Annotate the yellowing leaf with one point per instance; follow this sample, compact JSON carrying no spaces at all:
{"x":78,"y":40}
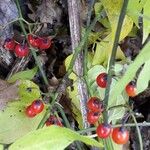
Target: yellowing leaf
{"x":13,"y":121}
{"x":104,"y":48}
{"x":103,"y":51}
{"x":134,"y":9}
{"x":113,"y":8}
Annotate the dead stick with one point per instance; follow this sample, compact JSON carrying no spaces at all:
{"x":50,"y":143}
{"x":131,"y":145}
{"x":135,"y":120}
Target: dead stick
{"x":75,"y":30}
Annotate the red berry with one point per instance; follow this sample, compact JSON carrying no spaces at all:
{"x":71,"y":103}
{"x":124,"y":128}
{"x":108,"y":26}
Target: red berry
{"x":21,"y":50}
{"x":30,"y":112}
{"x":92,"y":117}
{"x":9,"y":44}
{"x":131,"y":89}
{"x":37,"y":106}
{"x":102,"y":80}
{"x":103,"y":130}
{"x":120,"y":135}
{"x":52,"y":120}
{"x":45,"y":43}
{"x":33,"y":40}
{"x":94,"y":104}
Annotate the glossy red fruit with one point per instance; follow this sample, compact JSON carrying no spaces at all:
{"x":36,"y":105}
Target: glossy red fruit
{"x":120,"y":135}
{"x":45,"y":43}
{"x":94,"y":104}
{"x":103,"y":130}
{"x":92,"y":117}
{"x":21,"y":50}
{"x":37,"y":106}
{"x":30,"y":112}
{"x":102,"y":80}
{"x":34,"y":40}
{"x":131,"y":89}
{"x":9,"y":44}
{"x":52,"y":120}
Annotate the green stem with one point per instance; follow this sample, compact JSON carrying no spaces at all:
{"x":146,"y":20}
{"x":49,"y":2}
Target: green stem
{"x":113,"y":55}
{"x":85,"y":50}
{"x":138,"y":131}
{"x":145,"y":124}
{"x":32,"y":50}
{"x":63,"y":116}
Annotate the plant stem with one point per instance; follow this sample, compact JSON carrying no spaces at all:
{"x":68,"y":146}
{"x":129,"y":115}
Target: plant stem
{"x":113,"y":55}
{"x":32,"y":50}
{"x":138,"y":131}
{"x":145,"y":124}
{"x":85,"y":50}
{"x":63,"y":116}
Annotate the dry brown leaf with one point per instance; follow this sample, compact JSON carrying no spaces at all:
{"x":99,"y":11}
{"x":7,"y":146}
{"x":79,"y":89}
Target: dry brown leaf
{"x":48,"y":11}
{"x":8,"y":93}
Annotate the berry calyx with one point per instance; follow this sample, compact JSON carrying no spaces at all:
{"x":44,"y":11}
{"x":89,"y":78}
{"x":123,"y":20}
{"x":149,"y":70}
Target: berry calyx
{"x":52,"y":120}
{"x":92,"y":117}
{"x":94,"y":104}
{"x":45,"y":43}
{"x":34,"y":40}
{"x":37,"y":106}
{"x":131,"y":89}
{"x":30,"y":112}
{"x":21,"y":50}
{"x":9,"y":44}
{"x":120,"y":135}
{"x":103,"y":130}
{"x":102,"y":80}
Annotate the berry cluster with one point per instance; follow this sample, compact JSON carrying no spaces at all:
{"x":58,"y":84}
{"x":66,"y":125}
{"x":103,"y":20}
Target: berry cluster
{"x":35,"y":108}
{"x":101,"y":81}
{"x":22,"y":49}
{"x":119,"y":135}
{"x":95,"y":107}
{"x":52,"y":120}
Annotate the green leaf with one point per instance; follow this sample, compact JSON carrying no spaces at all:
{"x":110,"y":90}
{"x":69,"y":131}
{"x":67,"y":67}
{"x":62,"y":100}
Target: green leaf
{"x":24,"y":75}
{"x":143,"y":78}
{"x":143,"y":56}
{"x":103,"y":51}
{"x":146,"y":20}
{"x":14,"y":123}
{"x":97,"y":8}
{"x":134,"y":9}
{"x":1,"y":147}
{"x":51,"y":138}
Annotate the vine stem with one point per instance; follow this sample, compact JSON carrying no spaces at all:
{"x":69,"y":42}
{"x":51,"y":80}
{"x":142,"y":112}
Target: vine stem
{"x":112,"y":58}
{"x":85,"y":50}
{"x":144,"y":124}
{"x":32,"y":50}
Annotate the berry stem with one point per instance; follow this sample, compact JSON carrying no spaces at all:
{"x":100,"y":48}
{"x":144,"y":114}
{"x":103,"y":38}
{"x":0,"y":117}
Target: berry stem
{"x":32,"y":50}
{"x":144,"y":124}
{"x":138,"y":130}
{"x":113,"y":55}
